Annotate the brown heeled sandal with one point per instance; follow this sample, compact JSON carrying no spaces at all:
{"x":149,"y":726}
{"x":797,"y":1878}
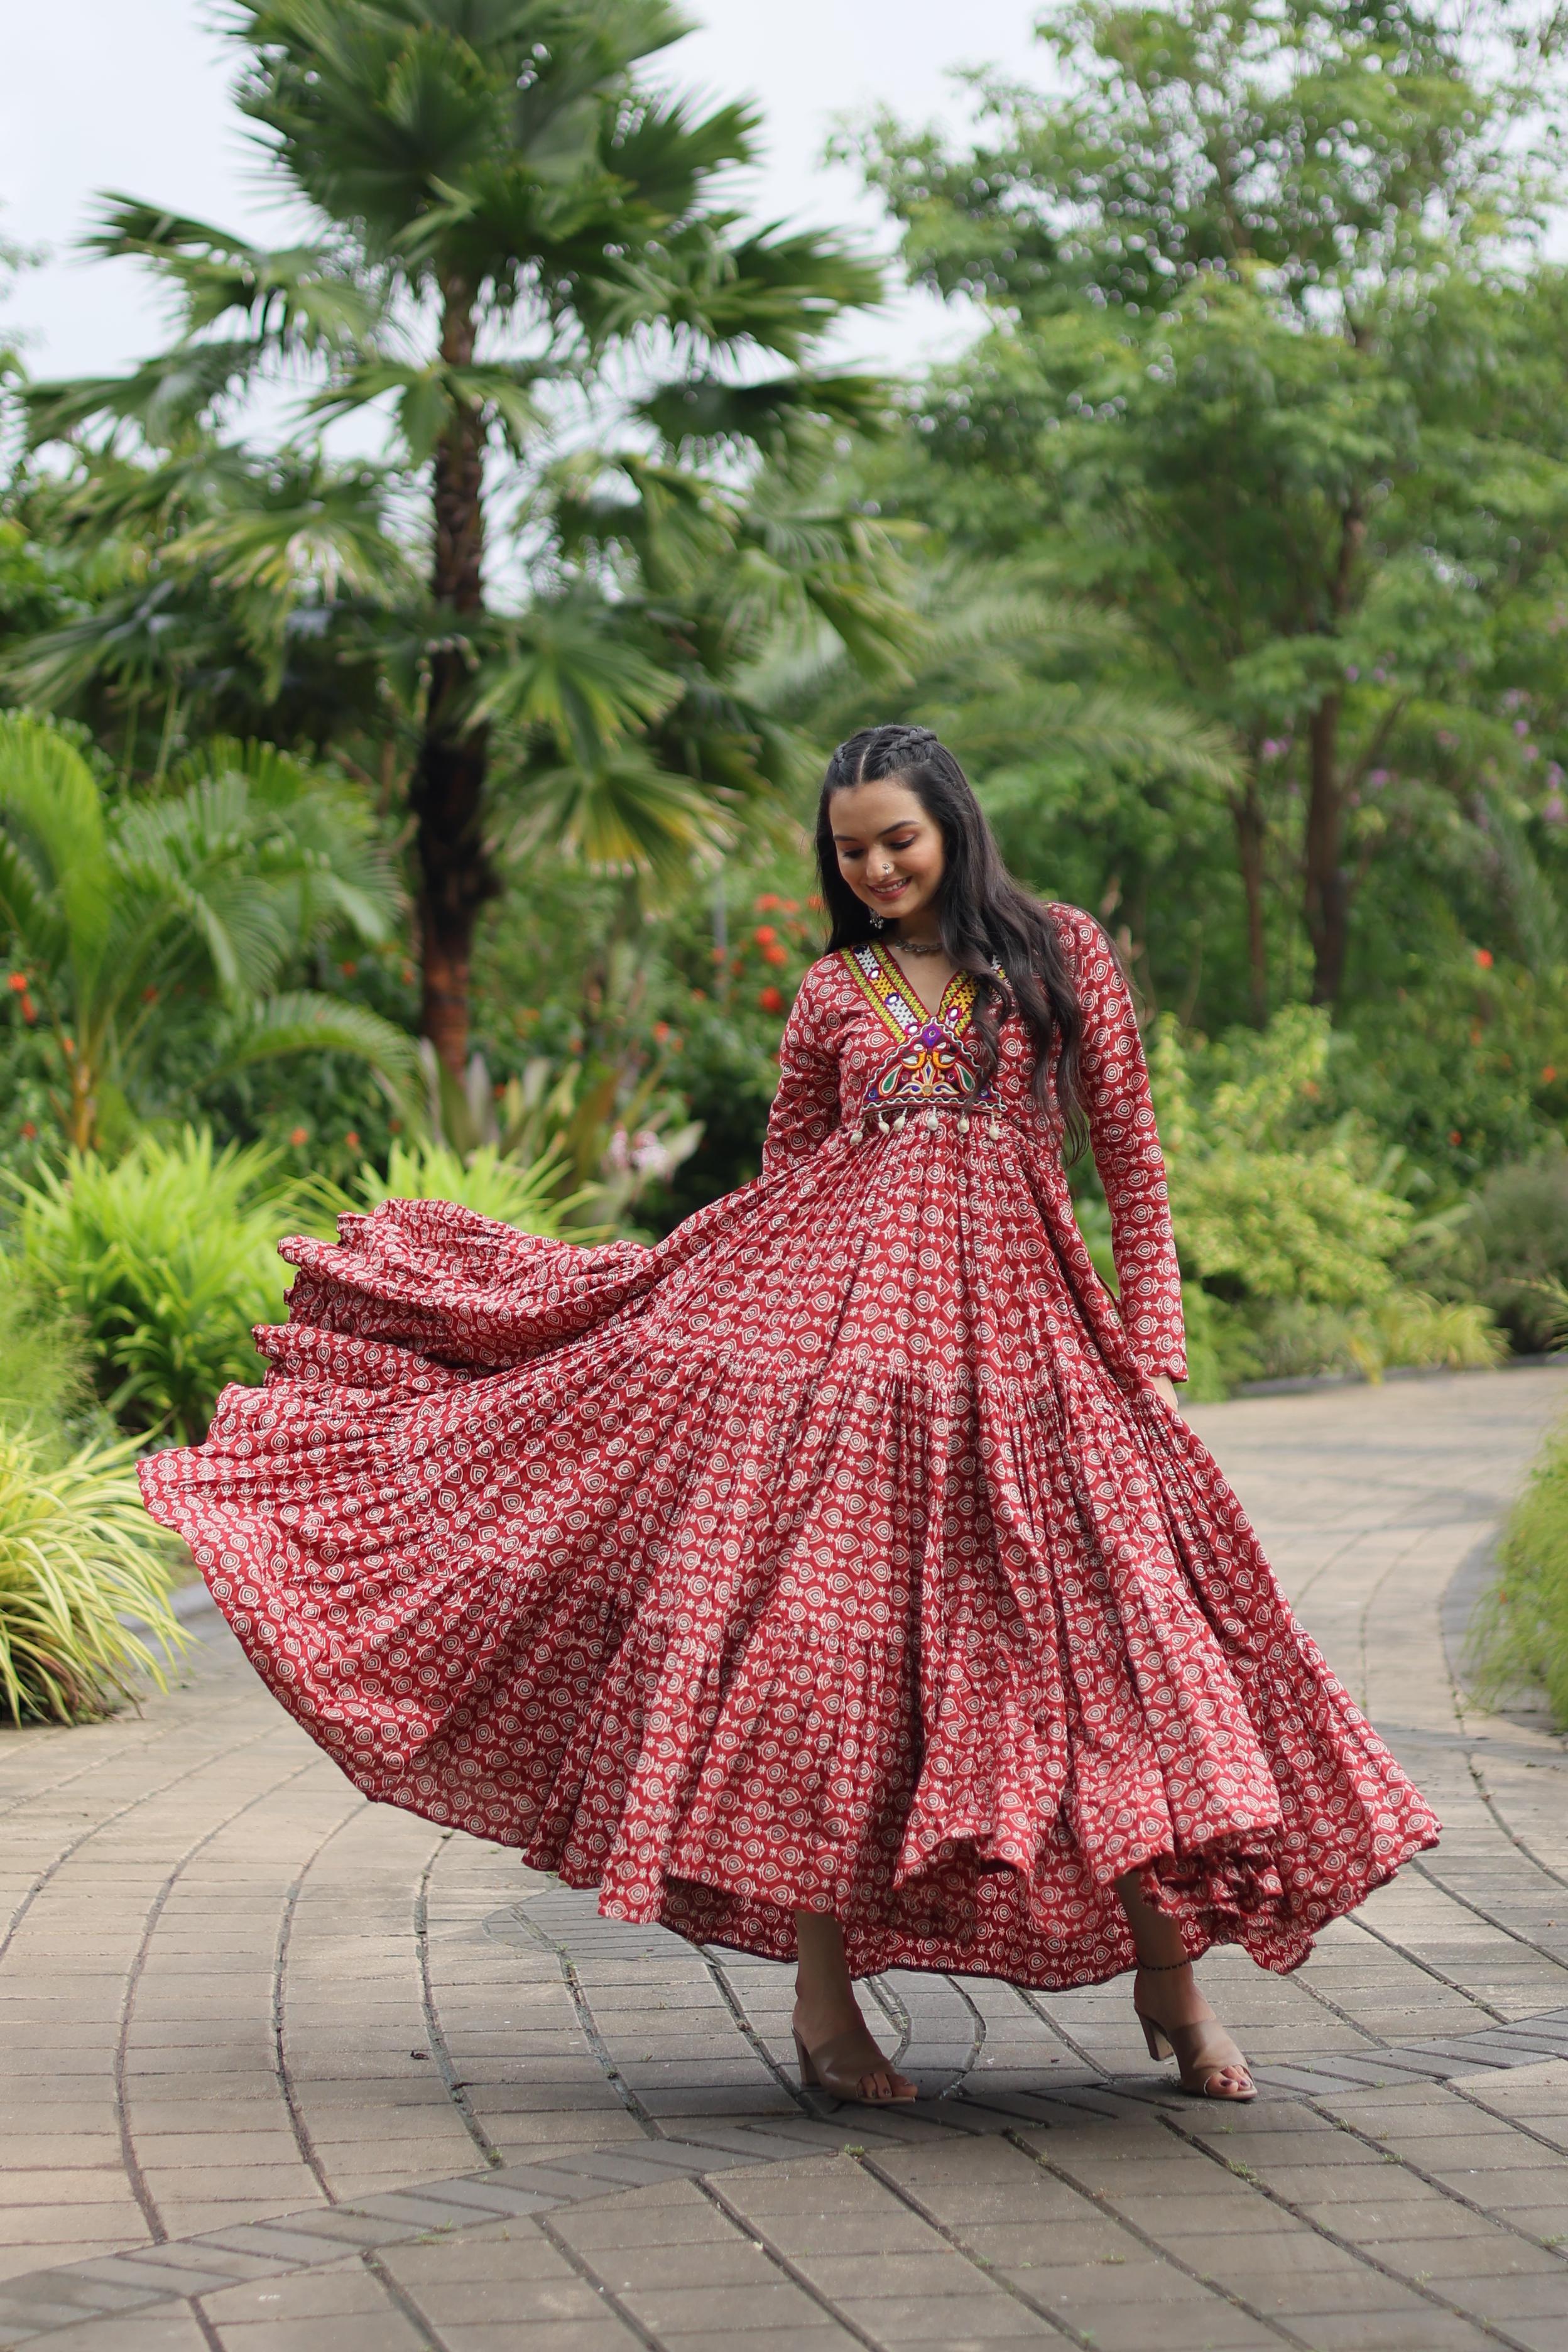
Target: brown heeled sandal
{"x":1201,"y":2052}
{"x":827,"y":2068}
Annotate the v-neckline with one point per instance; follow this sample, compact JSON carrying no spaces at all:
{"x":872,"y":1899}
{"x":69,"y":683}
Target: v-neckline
{"x":896,"y":972}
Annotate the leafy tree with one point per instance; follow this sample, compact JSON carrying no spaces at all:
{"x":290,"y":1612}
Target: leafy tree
{"x":150,"y":934}
{"x":508,"y":224}
{"x":1272,"y":371}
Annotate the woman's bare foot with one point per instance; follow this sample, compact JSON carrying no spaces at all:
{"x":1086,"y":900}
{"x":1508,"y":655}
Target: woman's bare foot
{"x":832,"y":2039}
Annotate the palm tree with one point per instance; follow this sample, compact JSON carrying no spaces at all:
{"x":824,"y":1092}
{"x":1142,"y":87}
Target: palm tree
{"x":223,"y":586}
{"x":153,"y":932}
{"x":509,"y":224}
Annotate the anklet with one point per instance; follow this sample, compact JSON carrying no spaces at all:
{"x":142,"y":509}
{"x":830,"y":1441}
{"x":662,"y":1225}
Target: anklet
{"x":1163,"y":1968}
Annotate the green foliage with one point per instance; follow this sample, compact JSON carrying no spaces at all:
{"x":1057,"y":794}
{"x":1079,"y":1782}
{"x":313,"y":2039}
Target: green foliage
{"x":45,"y":1380}
{"x":79,"y":1557}
{"x":1268,"y":1204}
{"x":1403,"y":1327}
{"x":1285,"y":1222}
{"x":507,"y":229}
{"x":1271,"y":376}
{"x":165,"y":1261}
{"x":524,"y":1194}
{"x":153,"y":932}
{"x":1520,"y":1227}
{"x":1524,"y":1631}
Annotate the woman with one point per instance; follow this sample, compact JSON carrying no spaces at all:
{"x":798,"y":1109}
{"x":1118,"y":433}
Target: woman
{"x":836,"y":1579}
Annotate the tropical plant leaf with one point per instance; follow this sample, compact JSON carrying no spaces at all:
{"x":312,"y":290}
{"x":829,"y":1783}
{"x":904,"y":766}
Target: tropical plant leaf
{"x":301,"y":1021}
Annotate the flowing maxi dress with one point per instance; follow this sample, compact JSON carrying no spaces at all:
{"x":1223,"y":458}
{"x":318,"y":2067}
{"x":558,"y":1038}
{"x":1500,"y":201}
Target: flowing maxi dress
{"x":834,"y":1553}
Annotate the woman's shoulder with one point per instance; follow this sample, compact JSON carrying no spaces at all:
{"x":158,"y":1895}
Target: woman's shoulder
{"x":821,"y":998}
{"x":824,"y":979}
{"x":1078,"y":931}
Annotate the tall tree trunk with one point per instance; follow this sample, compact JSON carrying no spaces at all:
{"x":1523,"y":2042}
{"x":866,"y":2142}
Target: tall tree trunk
{"x":1247,"y":808}
{"x":1326,"y":883}
{"x":448,"y":791}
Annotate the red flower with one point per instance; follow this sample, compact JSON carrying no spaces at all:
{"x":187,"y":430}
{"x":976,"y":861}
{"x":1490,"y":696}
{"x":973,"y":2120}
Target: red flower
{"x":29,"y":1011}
{"x":352,"y":1140}
{"x":1454,"y":1136}
{"x":1484,"y":957}
{"x":662,"y":1033}
{"x":348,"y":970}
{"x":19,"y":980}
{"x":765,"y":937}
{"x":772,"y":953}
{"x":299,"y":1135}
{"x":1548,"y":1074}
{"x":29,"y":1130}
{"x":768,"y":904}
{"x":771,"y":1001}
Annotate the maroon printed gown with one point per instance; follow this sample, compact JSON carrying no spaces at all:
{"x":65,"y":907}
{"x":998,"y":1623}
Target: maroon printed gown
{"x":834,"y":1552}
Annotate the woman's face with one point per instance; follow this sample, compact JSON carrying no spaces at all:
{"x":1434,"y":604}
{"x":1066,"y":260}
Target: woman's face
{"x":890,"y":850}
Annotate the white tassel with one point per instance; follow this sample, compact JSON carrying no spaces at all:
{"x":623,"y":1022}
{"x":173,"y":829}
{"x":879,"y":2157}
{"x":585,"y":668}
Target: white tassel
{"x":899,"y":1123}
{"x":930,"y":1120}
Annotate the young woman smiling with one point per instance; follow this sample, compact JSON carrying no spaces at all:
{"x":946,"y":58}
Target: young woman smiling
{"x":837,"y":1579}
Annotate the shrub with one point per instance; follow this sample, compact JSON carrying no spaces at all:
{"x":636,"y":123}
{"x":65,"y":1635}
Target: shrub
{"x":45,"y":1381}
{"x":79,"y":1557}
{"x":166,"y":1260}
{"x":1520,"y":1227}
{"x":516,"y":1191}
{"x":1403,"y":1327}
{"x":1523,"y":1628}
{"x":1287,"y":1229}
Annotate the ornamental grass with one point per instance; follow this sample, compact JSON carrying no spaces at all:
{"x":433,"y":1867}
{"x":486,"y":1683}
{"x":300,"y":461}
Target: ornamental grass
{"x":84,"y":1583}
{"x":1522,"y":1634}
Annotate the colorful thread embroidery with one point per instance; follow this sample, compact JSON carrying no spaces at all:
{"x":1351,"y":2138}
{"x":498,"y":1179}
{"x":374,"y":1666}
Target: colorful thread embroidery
{"x":929,"y":1070}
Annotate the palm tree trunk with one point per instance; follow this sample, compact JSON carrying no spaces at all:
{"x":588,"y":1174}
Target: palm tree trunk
{"x":447,"y":791}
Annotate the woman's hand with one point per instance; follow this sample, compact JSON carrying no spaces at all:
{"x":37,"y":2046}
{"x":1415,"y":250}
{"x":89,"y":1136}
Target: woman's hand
{"x":1166,"y":1387}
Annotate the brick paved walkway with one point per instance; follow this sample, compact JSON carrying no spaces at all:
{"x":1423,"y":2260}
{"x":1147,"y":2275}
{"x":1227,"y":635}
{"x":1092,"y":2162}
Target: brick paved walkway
{"x":285,"y":2070}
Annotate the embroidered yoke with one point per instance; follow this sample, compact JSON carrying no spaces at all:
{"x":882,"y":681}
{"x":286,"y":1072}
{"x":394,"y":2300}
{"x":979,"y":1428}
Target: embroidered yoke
{"x":928,"y":1069}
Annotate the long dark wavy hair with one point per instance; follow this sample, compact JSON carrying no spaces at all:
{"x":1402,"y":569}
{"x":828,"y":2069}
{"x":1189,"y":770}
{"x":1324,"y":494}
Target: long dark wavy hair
{"x":985,"y":918}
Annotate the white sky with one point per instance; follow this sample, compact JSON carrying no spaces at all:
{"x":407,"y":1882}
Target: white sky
{"x":133,"y":95}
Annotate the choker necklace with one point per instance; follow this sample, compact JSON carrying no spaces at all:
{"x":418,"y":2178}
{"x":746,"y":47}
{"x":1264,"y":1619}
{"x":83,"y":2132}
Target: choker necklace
{"x":915,"y":947}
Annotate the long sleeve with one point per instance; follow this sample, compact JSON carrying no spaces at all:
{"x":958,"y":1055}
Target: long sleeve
{"x":805,"y":1109}
{"x":1121,"y":1113}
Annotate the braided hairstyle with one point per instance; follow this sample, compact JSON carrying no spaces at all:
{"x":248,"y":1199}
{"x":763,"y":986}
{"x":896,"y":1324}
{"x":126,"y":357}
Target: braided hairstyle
{"x":985,"y":918}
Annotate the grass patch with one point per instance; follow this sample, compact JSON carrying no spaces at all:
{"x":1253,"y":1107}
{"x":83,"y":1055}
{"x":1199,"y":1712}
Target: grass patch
{"x":1522,"y":1632}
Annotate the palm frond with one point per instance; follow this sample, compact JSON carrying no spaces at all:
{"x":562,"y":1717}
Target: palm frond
{"x":303,"y":1022}
{"x":625,"y":815}
{"x":59,"y":870}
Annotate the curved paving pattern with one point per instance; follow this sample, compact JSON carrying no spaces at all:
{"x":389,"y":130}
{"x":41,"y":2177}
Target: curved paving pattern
{"x":288,"y":2070}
